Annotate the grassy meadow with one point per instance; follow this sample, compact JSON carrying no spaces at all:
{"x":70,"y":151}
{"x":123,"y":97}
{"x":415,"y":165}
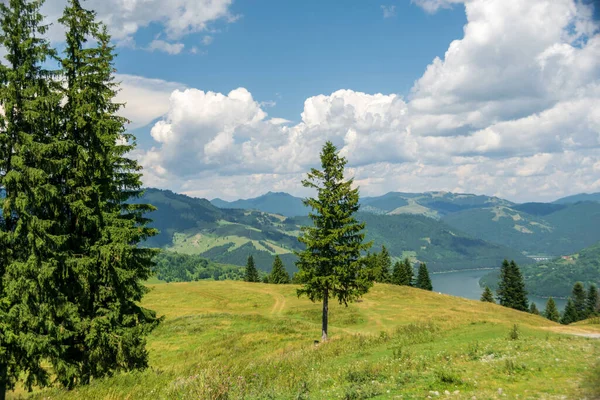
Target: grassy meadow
{"x":237,"y":340}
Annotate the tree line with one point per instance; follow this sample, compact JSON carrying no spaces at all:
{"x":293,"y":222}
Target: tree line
{"x":511,"y":293}
{"x":71,"y":270}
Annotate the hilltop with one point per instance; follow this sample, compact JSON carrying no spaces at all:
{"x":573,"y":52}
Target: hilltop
{"x":196,"y":226}
{"x":397,"y":341}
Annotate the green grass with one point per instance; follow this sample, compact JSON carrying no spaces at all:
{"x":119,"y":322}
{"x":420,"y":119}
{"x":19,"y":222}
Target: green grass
{"x":237,"y":340}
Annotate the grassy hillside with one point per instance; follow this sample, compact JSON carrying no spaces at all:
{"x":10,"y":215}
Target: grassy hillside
{"x":233,"y":340}
{"x":534,"y":228}
{"x":557,"y":277}
{"x":228,"y":236}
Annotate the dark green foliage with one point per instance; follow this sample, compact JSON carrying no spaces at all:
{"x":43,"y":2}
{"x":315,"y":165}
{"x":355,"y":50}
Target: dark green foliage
{"x":408,"y":273}
{"x":402,"y":275}
{"x":385,"y":264}
{"x":487,"y":295}
{"x":511,"y":288}
{"x":570,"y":314}
{"x":579,"y":301}
{"x":278,"y":274}
{"x":533,"y":309}
{"x":251,"y":273}
{"x":31,"y":238}
{"x":551,"y":311}
{"x":423,"y":280}
{"x":331,"y":264}
{"x":176,"y":267}
{"x":592,"y":304}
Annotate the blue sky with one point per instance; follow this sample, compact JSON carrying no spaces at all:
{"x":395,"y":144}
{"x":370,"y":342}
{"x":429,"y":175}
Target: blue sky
{"x":234,"y":98}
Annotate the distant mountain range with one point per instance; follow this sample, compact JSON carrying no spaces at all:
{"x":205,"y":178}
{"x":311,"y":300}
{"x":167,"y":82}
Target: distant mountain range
{"x":196,"y":226}
{"x":579,"y":197}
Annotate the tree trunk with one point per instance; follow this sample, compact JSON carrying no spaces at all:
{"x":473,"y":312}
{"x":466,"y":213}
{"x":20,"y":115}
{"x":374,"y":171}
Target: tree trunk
{"x":3,"y":381}
{"x":325,"y":315}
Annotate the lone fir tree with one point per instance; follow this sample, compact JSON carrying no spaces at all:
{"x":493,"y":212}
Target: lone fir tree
{"x":533,"y":309}
{"x":579,"y":296}
{"x":406,"y":273}
{"x":551,"y":311}
{"x":331,"y":265}
{"x":251,"y":271}
{"x":487,"y":296}
{"x":423,"y":280}
{"x":570,"y":314}
{"x":385,"y":264}
{"x":511,"y":289}
{"x":278,"y":274}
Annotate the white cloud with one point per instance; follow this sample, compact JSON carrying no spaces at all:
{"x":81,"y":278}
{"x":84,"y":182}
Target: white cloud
{"x":388,"y":11}
{"x":169,"y":48}
{"x":207,"y":40}
{"x":125,"y":18}
{"x":512,"y":109}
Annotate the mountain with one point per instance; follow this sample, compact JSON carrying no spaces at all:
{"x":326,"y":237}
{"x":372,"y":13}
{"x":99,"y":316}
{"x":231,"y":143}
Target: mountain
{"x":557,"y":277}
{"x":579,"y":197}
{"x":276,"y":203}
{"x":195,"y":226}
{"x":533,"y":228}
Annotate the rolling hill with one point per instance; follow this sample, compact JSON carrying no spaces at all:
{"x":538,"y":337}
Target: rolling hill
{"x":271,"y":202}
{"x":579,"y":197}
{"x":228,"y":236}
{"x":398,"y":342}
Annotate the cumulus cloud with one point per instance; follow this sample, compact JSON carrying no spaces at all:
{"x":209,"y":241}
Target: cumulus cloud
{"x":125,"y":18}
{"x":388,"y":11}
{"x":166,"y":47}
{"x":512,"y":109}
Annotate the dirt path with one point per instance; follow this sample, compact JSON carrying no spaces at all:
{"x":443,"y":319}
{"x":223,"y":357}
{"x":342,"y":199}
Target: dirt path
{"x":582,"y":331}
{"x":278,"y":297}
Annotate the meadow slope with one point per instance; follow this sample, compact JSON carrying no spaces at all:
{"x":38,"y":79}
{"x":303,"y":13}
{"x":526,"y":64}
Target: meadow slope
{"x":230,"y":340}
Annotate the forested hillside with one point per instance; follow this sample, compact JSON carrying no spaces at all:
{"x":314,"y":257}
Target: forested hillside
{"x":557,"y":277}
{"x":195,"y":226}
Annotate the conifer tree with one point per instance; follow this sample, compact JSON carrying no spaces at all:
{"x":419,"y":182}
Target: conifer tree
{"x":423,"y":280}
{"x":533,"y":309}
{"x":398,"y":274}
{"x":578,"y":296}
{"x":331,"y":264}
{"x":385,"y":264}
{"x":31,"y":238}
{"x":511,"y":288}
{"x":408,"y":273}
{"x":591,"y":301}
{"x":106,"y":224}
{"x":251,"y":271}
{"x":487,"y":296}
{"x":278,"y":274}
{"x":570,"y":314}
{"x":551,"y":311}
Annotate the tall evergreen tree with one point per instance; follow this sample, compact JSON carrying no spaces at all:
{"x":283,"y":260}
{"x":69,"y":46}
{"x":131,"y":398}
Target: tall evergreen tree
{"x":578,"y":296}
{"x":31,"y":238}
{"x":551,"y":311}
{"x":511,"y":289}
{"x":331,"y":265}
{"x":385,"y":264}
{"x":423,"y":280}
{"x":399,"y":274}
{"x":408,"y":272}
{"x":106,"y":264}
{"x":533,"y":309}
{"x":570,"y":314}
{"x":251,"y":271}
{"x":278,"y":274}
{"x":487,"y":296}
{"x":591,"y":302}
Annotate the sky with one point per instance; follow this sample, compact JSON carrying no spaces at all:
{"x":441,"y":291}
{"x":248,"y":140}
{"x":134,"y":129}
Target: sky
{"x":235,"y":98}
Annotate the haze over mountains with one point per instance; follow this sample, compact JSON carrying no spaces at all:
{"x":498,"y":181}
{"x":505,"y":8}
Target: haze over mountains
{"x":449,"y":231}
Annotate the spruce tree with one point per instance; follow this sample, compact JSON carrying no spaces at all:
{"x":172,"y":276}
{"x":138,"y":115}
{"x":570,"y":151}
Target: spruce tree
{"x":106,"y":223}
{"x":398,"y":274}
{"x":591,"y":301}
{"x":423,"y":280}
{"x":385,"y":264}
{"x":31,"y":237}
{"x":331,"y":265}
{"x":278,"y":274}
{"x":487,"y":296}
{"x":570,"y":314}
{"x":533,"y":309}
{"x":511,"y":288}
{"x":551,"y":311}
{"x":579,"y":301}
{"x":251,"y":271}
{"x":408,"y":273}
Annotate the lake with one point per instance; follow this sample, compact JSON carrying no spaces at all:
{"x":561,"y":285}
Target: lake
{"x":466,"y":284}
